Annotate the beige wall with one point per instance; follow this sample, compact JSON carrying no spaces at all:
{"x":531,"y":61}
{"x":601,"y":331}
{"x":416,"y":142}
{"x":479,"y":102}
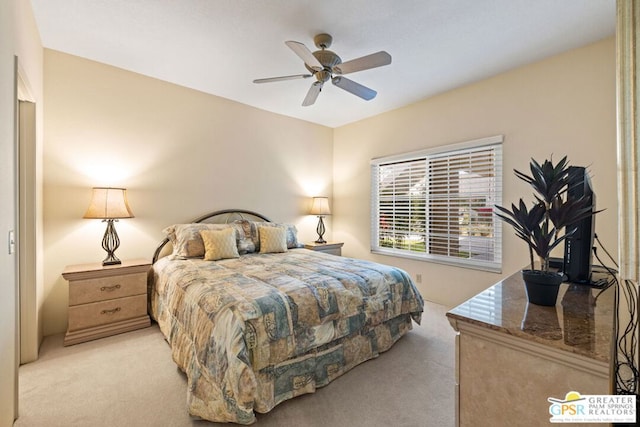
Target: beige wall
{"x":562,"y":105}
{"x":179,"y":152}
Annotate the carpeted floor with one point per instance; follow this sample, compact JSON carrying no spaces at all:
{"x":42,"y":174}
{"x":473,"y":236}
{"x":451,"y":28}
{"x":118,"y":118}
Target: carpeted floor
{"x":130,"y":380}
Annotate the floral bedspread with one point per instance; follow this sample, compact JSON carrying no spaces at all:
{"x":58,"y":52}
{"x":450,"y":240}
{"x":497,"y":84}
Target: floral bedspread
{"x":254,"y":331}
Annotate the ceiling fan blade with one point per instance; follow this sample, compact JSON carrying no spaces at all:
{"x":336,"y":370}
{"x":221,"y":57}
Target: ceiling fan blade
{"x":355,"y":88}
{"x":374,"y":60}
{"x":312,"y":95}
{"x":278,"y":79}
{"x":305,"y":54}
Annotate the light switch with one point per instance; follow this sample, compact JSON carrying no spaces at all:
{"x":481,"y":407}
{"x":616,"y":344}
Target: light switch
{"x":12,"y":242}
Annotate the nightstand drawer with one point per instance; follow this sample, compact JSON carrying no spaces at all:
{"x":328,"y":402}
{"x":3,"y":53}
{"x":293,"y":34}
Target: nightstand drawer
{"x":105,"y":288}
{"x":104,"y":312}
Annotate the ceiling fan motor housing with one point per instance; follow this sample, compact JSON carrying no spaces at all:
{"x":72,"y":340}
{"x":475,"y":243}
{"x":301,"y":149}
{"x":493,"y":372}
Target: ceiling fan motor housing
{"x":327,"y":58}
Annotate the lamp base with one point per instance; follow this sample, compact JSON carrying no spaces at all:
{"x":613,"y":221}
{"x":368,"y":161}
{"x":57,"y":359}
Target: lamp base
{"x":320,"y":230}
{"x":110,"y":243}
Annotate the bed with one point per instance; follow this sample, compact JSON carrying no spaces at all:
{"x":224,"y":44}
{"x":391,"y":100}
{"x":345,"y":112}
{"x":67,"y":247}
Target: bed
{"x":273,"y":321}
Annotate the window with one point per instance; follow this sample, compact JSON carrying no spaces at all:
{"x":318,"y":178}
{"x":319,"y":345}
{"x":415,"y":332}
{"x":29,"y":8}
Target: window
{"x":437,"y":205}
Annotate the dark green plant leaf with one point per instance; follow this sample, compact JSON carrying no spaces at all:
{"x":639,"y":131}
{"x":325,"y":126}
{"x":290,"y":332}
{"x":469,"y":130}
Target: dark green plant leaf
{"x":523,"y":221}
{"x":548,"y":180}
{"x":567,"y":212}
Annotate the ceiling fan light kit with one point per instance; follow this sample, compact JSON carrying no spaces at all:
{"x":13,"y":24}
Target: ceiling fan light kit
{"x":326,"y":65}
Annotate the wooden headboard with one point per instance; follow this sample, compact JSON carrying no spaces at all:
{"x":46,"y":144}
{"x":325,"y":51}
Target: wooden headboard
{"x":217,"y":217}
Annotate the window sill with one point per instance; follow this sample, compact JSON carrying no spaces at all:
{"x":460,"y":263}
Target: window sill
{"x":468,"y":264}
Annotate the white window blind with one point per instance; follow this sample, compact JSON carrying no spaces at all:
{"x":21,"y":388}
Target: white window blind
{"x":438,"y":204}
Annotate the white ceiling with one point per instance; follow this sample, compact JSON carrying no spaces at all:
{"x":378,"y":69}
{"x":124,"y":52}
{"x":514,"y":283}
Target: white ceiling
{"x":220,"y":46}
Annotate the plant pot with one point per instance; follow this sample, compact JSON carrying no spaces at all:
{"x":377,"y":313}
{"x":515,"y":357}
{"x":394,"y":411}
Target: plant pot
{"x":542,"y":286}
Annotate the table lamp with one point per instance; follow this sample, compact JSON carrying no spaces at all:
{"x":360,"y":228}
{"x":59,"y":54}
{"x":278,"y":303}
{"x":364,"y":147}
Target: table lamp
{"x":320,"y":207}
{"x":109,"y":204}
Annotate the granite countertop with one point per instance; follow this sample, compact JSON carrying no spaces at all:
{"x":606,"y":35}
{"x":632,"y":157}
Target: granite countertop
{"x":581,"y":322}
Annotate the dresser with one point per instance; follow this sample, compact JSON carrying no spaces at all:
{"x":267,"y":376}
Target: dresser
{"x":106,"y":300}
{"x":511,"y":356}
{"x":333,"y":248}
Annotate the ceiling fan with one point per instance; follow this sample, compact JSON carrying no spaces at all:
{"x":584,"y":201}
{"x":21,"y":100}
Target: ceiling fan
{"x":325,"y":65}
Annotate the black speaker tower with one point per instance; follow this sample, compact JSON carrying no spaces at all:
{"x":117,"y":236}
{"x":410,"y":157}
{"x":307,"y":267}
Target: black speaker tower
{"x":578,"y":247}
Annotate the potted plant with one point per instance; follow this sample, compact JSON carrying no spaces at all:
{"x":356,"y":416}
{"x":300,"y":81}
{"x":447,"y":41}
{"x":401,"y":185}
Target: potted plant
{"x":543,"y":226}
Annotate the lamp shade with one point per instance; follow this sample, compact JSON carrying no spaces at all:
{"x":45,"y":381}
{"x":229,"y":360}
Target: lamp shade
{"x":320,"y":206}
{"x":108,"y":203}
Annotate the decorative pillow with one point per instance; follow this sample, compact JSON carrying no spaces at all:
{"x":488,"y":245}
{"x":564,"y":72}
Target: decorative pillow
{"x":186,"y":239}
{"x":292,"y":234}
{"x":219,"y":244}
{"x":272,"y":239}
{"x":246,"y":231}
{"x":251,"y":229}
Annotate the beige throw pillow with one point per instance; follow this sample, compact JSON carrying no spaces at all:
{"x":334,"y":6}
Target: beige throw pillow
{"x":272,"y":239}
{"x":186,"y":239}
{"x":219,"y":244}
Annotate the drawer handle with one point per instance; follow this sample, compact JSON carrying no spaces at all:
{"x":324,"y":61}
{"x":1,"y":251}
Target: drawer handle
{"x":112,"y":311}
{"x":109,"y":288}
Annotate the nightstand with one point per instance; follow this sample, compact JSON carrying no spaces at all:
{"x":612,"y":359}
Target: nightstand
{"x":106,"y":300}
{"x":332,"y":248}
